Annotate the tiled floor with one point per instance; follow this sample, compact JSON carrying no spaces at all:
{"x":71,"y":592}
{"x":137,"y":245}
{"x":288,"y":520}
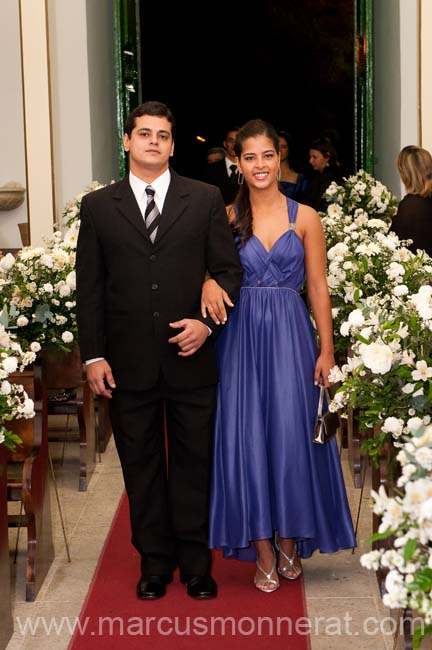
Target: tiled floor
{"x":343,"y":602}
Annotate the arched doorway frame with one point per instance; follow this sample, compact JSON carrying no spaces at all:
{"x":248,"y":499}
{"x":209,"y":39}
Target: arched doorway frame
{"x":128,"y":76}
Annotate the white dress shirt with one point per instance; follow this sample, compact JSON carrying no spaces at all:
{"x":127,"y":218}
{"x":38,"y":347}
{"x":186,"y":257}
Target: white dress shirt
{"x":160,"y":186}
{"x":228,"y":164}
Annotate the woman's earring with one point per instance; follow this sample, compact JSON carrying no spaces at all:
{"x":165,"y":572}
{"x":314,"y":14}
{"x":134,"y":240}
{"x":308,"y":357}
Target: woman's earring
{"x":279,"y":173}
{"x":240,"y":178}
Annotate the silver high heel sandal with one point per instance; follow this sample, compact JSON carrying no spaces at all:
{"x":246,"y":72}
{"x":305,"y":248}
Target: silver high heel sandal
{"x":291,"y":563}
{"x":267,"y":584}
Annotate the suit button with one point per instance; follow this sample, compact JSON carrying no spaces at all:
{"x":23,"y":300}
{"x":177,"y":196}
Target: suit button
{"x":156,"y":314}
{"x":155,"y":286}
{"x":153,"y":258}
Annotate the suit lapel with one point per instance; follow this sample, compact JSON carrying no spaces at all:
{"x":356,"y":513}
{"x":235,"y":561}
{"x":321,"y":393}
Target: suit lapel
{"x":174,"y":204}
{"x":128,"y":207}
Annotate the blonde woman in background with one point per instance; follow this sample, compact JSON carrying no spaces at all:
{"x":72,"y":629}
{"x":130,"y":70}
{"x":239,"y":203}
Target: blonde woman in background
{"x":413,"y":219}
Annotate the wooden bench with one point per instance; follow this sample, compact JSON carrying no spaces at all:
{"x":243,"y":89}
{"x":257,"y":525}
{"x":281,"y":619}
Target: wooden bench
{"x":64,"y":372}
{"x":6,"y":624}
{"x":27,"y":482}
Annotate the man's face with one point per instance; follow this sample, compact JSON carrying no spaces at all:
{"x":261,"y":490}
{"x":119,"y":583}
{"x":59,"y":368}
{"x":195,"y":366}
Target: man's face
{"x":150,"y":144}
{"x":229,"y":144}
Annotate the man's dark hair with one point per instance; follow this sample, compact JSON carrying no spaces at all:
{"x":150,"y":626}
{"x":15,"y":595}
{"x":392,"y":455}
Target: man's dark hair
{"x":157,"y":109}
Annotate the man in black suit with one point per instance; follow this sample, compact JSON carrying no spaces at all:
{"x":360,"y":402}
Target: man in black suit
{"x":144,"y":246}
{"x":224,"y":173}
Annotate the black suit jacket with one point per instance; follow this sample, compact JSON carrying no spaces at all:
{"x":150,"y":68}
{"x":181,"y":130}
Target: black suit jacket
{"x":129,"y":290}
{"x":217,"y":174}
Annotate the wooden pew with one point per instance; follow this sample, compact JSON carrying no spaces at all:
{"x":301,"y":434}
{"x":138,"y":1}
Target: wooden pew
{"x":65,"y":372}
{"x":27,"y":474}
{"x":6,"y":624}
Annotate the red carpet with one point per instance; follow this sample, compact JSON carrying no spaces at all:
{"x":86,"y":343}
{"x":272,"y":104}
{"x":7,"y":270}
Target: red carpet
{"x":240,"y":616}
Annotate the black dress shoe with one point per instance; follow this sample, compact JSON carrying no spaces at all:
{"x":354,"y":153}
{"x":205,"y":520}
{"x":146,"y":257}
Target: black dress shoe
{"x":152,"y":587}
{"x":201,"y":587}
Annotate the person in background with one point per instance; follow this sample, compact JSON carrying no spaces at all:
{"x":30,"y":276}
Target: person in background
{"x":271,"y":485}
{"x":413,"y":219}
{"x":291,"y":183}
{"x":224,"y":173}
{"x":325,"y":169}
{"x":215,"y":153}
{"x":144,"y":246}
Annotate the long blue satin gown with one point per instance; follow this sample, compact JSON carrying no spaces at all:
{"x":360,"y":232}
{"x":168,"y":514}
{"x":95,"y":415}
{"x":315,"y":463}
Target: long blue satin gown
{"x":268,"y":475}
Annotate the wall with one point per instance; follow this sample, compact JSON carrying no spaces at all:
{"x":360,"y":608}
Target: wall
{"x":83,"y":95}
{"x":396,"y":85}
{"x":69,"y":99}
{"x":426,"y":74}
{"x":12,"y":151}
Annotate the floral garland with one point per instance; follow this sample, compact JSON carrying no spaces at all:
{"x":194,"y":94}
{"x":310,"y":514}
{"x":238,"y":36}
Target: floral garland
{"x":382,"y":297}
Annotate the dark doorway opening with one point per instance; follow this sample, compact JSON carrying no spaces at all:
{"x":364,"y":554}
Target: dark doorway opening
{"x":289,"y":62}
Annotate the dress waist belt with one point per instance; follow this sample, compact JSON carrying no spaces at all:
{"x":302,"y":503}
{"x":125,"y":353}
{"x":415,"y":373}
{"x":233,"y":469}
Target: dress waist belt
{"x":265,"y":287}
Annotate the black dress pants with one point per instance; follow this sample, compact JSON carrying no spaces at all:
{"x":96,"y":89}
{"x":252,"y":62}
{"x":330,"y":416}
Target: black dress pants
{"x":168,"y":488}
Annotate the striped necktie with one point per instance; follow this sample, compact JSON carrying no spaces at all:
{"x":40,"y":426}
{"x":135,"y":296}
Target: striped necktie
{"x":152,"y":216}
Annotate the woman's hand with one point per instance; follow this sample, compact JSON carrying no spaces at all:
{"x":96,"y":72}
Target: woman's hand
{"x":213,"y":300}
{"x":324,"y":364}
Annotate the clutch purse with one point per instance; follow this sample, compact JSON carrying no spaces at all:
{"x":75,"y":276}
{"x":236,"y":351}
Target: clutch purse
{"x":326,"y":425}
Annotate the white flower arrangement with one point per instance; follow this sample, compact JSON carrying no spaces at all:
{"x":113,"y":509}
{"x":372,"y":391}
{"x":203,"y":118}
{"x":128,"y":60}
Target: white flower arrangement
{"x":37,"y":293}
{"x":71,"y":212}
{"x":38,"y":287}
{"x":14,"y":401}
{"x":407,"y":518}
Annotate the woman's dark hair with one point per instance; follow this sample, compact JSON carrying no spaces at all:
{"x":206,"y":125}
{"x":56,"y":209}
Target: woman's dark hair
{"x":158,"y":109}
{"x":327,"y":148}
{"x":242,"y":223}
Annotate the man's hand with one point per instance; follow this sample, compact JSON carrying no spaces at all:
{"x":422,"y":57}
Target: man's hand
{"x":191,"y":339}
{"x":97,"y":372}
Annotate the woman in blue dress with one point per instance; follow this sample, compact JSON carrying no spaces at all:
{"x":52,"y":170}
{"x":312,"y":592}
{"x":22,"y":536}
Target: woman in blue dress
{"x":272,"y":487}
{"x":291,"y":183}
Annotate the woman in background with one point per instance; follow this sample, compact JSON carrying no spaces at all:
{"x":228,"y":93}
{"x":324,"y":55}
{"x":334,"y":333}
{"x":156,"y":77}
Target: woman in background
{"x":325,"y":169}
{"x":413,"y":219}
{"x":291,"y":183}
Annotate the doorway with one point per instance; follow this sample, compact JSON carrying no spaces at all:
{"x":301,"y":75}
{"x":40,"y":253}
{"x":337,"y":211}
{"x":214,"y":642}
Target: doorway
{"x":300,"y":66}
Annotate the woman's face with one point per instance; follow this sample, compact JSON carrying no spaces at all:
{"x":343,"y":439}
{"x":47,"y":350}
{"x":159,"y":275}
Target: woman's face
{"x":283,"y":146}
{"x":318,"y":161}
{"x":259,"y":162}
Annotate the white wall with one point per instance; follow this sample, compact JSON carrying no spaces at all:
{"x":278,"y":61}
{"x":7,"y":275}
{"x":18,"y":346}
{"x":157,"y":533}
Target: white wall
{"x":396,"y":86}
{"x":12,"y":151}
{"x":426,"y":74}
{"x":83,"y":95}
{"x":69,"y":99}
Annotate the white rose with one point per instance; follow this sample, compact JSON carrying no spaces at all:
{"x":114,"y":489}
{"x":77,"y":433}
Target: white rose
{"x":400,"y":290}
{"x":48,"y":288}
{"x":5,"y":388}
{"x":22,"y":321}
{"x":10,"y":364}
{"x":35,"y":346}
{"x":393,"y":425}
{"x":356,"y":318}
{"x":345,"y":328}
{"x":28,"y":407}
{"x":377,"y":357}
{"x":67,"y":337}
{"x":71,"y":280}
{"x":7,"y":262}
